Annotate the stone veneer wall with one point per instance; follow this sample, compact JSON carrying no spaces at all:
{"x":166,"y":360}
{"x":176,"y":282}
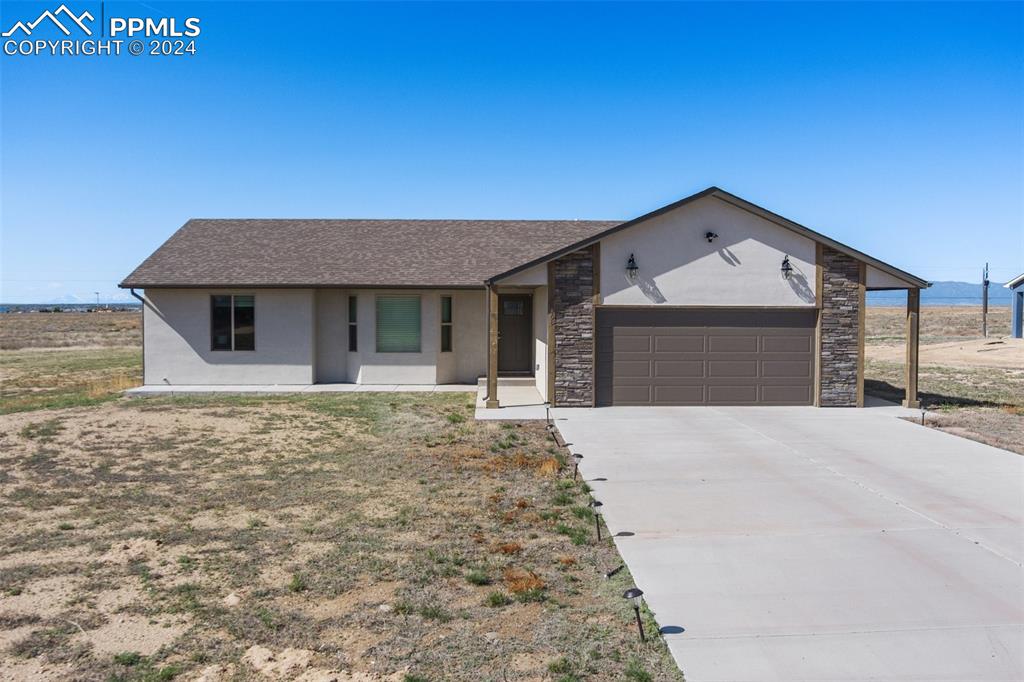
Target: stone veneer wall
{"x":573,"y":304}
{"x":840,"y":316}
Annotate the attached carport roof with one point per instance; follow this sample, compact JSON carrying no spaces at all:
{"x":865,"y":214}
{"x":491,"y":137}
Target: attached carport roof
{"x":912,"y":280}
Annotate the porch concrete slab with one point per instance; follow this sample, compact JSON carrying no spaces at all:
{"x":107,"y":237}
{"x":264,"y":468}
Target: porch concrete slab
{"x":299,"y":388}
{"x":223,"y":388}
{"x":813,"y":544}
{"x":517,"y":401}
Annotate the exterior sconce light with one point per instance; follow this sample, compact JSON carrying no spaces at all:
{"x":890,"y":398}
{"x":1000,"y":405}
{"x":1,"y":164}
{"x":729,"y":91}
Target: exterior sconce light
{"x":576,"y":457}
{"x":595,"y":506}
{"x":634,"y":594}
{"x":632,"y":269}
{"x":710,"y":236}
{"x":787,"y":269}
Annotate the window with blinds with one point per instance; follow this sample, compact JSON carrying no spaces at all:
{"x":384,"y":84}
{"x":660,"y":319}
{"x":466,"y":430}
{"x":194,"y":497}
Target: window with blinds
{"x":398,"y":324}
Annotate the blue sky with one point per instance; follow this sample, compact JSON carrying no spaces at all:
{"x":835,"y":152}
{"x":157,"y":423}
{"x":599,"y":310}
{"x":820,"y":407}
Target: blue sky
{"x":896,"y":128}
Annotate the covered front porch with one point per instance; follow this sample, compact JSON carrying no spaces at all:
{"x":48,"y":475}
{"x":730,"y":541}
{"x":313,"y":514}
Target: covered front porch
{"x":518,"y":344}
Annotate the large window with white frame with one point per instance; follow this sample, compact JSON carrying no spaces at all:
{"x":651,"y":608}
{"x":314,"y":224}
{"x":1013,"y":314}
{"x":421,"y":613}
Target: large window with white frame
{"x":398,"y":324}
{"x":232,"y":322}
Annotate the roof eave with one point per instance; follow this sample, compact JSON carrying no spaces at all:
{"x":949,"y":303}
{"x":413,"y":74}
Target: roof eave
{"x":310,"y":285}
{"x":1015,"y":282}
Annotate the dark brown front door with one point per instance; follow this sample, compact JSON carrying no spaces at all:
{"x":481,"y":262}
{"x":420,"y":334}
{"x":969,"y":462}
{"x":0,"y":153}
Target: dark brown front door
{"x":658,"y":356}
{"x":515,"y":334}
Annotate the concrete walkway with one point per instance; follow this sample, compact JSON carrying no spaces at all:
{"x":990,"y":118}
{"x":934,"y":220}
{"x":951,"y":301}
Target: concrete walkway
{"x":814,"y":544}
{"x":299,"y":388}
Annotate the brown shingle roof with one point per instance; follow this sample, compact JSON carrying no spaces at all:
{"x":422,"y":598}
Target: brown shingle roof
{"x":386,"y":253}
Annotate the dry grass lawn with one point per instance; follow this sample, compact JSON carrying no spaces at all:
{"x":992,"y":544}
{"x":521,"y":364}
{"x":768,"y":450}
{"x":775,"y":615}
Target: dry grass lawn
{"x":973,"y":385}
{"x":334,"y":537}
{"x":70,"y":329}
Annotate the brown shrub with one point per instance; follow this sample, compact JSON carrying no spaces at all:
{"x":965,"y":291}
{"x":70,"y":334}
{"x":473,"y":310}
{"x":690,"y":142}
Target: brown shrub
{"x":519,"y":580}
{"x":548,"y":467}
{"x":509,"y":548}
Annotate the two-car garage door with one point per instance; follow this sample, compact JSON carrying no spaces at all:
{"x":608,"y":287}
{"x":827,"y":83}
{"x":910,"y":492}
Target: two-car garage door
{"x":705,"y":356}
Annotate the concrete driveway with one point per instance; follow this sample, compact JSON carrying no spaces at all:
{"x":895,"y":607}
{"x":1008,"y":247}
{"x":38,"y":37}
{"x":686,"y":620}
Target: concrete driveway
{"x":814,"y":544}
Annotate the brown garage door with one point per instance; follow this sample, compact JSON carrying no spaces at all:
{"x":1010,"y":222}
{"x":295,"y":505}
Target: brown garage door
{"x":716,"y":356}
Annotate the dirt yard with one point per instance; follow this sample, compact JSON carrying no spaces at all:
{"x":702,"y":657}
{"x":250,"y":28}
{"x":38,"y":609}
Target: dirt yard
{"x":974,"y":386}
{"x":333,"y":537}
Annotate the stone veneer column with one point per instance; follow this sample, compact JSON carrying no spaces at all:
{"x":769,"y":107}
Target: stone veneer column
{"x":573,"y":322}
{"x":840,"y":329}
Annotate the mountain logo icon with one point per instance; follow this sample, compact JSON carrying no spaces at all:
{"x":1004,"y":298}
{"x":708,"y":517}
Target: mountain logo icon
{"x":78,"y":20}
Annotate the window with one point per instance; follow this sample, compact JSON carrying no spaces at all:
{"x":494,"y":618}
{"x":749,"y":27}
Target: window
{"x":233,"y":322}
{"x":513,"y":307}
{"x":398,"y":324}
{"x":446,"y":324}
{"x":353,"y":334}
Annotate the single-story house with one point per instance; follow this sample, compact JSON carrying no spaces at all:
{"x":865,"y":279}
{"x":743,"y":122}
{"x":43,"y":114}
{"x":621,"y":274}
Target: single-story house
{"x":1016,"y":287}
{"x":711,"y":300}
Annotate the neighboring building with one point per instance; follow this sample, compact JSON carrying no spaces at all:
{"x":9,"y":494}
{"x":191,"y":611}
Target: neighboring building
{"x":710,"y":300}
{"x":1016,"y":287}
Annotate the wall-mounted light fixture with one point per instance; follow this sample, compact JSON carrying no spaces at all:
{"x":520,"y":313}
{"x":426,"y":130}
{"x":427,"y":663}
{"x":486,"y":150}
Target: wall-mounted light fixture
{"x":632,"y":269}
{"x":710,"y":236}
{"x":787,"y":269}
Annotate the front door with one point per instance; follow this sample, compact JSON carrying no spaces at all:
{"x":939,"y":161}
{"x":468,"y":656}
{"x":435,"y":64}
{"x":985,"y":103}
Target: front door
{"x":515,"y":334}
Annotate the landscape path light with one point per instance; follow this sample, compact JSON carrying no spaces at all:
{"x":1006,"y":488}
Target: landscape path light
{"x":596,"y":507}
{"x":576,"y":457}
{"x":634,"y":594}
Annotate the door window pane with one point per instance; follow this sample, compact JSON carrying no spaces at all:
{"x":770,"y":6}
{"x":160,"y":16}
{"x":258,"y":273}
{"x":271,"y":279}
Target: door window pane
{"x":446,"y":324}
{"x":398,"y":324}
{"x":220,"y":327}
{"x":446,"y":309}
{"x":353,"y":334}
{"x":245,"y":323}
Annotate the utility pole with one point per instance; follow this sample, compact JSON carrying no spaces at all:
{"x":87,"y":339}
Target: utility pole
{"x":984,"y":302}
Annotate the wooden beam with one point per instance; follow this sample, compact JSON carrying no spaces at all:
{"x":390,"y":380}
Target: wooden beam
{"x":861,"y":314}
{"x":913,"y":341}
{"x":551,"y":334}
{"x":492,"y":347}
{"x":819,"y":290}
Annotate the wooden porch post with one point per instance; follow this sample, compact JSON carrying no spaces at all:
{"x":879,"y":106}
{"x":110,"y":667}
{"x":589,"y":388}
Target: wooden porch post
{"x":913,"y":339}
{"x":492,"y":347}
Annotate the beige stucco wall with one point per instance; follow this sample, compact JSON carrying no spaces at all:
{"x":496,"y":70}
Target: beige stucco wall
{"x":177,"y":339}
{"x":331,"y":335}
{"x":470,"y":336}
{"x":302,"y":337}
{"x":466,"y":362}
{"x":540,"y":333}
{"x":679,"y":267}
{"x":531,"y":277}
{"x":876,"y":279}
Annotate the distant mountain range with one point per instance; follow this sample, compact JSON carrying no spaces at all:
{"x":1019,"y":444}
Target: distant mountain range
{"x":946,"y":293}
